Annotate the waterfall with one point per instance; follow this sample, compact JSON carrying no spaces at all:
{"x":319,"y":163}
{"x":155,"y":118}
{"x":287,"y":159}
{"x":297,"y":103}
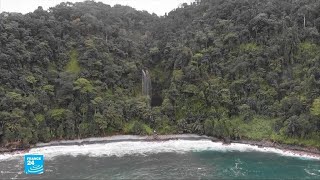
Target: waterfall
{"x":146,"y":83}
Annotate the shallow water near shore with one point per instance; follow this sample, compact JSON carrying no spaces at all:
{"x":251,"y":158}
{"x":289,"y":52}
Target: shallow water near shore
{"x":173,"y":159}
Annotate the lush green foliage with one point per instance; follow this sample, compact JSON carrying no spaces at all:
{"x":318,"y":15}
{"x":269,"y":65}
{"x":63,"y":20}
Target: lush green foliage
{"x":73,"y":65}
{"x":138,"y":128}
{"x":226,"y":68}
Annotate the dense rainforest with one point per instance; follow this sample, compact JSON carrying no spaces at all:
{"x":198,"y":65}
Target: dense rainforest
{"x":238,"y":69}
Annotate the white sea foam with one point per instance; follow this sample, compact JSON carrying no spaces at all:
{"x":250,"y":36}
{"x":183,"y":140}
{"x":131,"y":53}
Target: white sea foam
{"x":121,"y":138}
{"x":123,"y":148}
{"x":312,"y":172}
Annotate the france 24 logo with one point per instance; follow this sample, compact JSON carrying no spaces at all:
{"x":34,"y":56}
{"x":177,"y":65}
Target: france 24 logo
{"x":33,"y":164}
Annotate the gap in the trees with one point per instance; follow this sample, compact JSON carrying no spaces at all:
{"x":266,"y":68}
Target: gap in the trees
{"x":156,"y":100}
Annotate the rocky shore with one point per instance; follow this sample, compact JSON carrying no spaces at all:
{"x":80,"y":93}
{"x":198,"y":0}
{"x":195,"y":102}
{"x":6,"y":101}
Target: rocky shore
{"x":297,"y":150}
{"x":284,"y":147}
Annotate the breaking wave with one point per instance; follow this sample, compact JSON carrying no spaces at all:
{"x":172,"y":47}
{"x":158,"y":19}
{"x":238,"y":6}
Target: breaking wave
{"x":140,"y":147}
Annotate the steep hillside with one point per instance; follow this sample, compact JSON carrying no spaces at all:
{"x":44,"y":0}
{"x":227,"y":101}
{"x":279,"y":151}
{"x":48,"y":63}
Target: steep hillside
{"x":242,"y":69}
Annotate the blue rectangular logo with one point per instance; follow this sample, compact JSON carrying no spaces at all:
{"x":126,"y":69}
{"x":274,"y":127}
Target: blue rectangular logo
{"x":33,"y":164}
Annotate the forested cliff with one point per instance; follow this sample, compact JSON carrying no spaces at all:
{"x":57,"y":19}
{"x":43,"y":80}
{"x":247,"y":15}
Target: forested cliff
{"x":242,"y":69}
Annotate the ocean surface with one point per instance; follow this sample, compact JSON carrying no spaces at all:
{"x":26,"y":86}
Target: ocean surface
{"x":174,"y":159}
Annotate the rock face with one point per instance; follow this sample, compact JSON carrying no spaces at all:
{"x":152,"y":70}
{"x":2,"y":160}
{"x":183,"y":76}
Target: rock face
{"x":226,"y":141}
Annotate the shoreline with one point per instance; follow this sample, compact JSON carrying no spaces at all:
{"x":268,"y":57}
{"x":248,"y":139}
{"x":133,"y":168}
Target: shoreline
{"x":110,"y":139}
{"x":296,"y":150}
{"x":285,"y":148}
